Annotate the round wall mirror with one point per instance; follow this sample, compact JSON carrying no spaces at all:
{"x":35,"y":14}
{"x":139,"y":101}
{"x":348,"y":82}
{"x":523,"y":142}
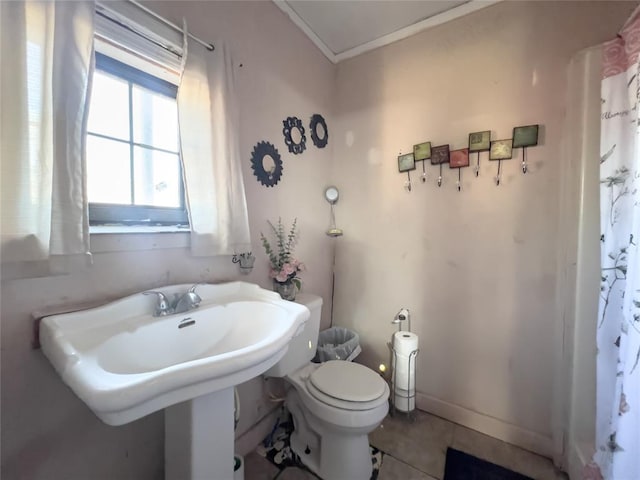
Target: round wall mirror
{"x":266,"y":164}
{"x":294,"y":136}
{"x":319,"y":132}
{"x":332,"y":195}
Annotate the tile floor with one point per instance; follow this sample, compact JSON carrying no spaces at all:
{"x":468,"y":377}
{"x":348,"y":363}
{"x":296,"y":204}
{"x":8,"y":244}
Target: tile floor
{"x":416,"y":451}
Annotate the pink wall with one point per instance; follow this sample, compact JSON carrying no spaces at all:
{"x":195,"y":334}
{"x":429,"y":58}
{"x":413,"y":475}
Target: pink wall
{"x":47,"y":432}
{"x":476,"y":268}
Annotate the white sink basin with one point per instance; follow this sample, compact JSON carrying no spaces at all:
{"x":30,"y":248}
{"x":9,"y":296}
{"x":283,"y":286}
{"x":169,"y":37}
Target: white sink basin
{"x":124,"y":363}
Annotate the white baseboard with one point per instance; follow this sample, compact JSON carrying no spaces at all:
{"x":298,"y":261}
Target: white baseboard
{"x":532,"y":441}
{"x":249,"y":440}
{"x":493,"y":427}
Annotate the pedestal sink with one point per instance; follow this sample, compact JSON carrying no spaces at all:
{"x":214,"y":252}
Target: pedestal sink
{"x":125,"y":364}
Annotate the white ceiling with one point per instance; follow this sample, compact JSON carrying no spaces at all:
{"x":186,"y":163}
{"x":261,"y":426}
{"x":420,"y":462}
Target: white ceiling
{"x":345,"y":28}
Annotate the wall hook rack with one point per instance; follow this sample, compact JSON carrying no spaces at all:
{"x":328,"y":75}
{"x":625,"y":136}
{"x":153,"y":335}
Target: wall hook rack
{"x":523,"y":137}
{"x":406,"y":163}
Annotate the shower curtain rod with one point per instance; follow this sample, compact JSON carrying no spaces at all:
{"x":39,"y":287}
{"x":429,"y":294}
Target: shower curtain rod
{"x":208,"y":46}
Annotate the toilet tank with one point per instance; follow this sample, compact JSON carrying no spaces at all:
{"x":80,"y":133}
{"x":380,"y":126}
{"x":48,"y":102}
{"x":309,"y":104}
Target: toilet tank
{"x":302,"y":348}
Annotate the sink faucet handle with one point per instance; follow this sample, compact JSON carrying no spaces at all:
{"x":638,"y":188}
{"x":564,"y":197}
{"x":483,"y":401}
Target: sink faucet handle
{"x":192,"y":290}
{"x":163,"y":307}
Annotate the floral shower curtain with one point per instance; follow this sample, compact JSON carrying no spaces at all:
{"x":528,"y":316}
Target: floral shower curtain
{"x":618,"y":334}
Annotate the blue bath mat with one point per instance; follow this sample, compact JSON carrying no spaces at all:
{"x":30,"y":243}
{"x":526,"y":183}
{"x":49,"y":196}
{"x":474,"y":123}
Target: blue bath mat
{"x":277,"y":449}
{"x":462,"y":466}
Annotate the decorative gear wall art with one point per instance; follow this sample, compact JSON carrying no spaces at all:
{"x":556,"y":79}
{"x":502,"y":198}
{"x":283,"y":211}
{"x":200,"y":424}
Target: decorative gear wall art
{"x":266,"y":164}
{"x":293,"y":126}
{"x":318,"y":121}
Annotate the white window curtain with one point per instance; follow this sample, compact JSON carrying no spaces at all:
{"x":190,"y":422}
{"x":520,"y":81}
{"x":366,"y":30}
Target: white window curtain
{"x":46,"y":56}
{"x":208,"y":117}
{"x":618,"y":328}
{"x":132,"y":36}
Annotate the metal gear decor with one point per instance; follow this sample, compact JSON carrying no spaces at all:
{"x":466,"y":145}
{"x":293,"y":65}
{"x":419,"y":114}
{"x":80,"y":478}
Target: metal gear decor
{"x":294,"y":123}
{"x":267,"y":175}
{"x":318,"y":120}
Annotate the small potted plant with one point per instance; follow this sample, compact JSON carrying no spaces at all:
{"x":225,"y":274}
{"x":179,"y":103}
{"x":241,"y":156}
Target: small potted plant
{"x":284,"y":267}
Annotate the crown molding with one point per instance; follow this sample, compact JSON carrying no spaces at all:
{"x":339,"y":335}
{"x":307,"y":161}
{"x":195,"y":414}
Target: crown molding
{"x":405,"y":32}
{"x":302,"y":25}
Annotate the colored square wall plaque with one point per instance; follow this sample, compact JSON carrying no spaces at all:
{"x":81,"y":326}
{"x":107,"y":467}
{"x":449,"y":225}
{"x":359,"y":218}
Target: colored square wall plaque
{"x":439,"y":154}
{"x":501,"y":150}
{"x":459,"y":158}
{"x":525,"y":136}
{"x":422,"y":151}
{"x":406,"y":162}
{"x":480,"y":141}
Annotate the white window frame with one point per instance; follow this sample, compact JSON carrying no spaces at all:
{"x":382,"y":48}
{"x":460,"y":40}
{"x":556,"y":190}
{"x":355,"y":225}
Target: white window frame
{"x":110,"y":214}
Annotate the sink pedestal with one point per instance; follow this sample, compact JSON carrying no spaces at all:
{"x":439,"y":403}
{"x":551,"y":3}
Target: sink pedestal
{"x":199,"y":438}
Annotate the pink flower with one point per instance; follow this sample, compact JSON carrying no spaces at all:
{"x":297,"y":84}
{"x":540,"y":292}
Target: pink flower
{"x":281,"y":276}
{"x":288,"y":269}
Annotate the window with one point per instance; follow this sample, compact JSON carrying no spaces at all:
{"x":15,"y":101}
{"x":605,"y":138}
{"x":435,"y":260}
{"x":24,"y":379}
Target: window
{"x":134,"y":172}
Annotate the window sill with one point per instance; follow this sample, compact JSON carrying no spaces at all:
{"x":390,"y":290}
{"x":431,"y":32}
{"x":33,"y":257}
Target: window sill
{"x":126,"y":229}
{"x":120,"y":238}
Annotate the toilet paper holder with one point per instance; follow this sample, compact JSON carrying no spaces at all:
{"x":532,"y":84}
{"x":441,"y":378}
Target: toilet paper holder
{"x":404,"y":400}
{"x":406,"y":397}
{"x":400,"y":317}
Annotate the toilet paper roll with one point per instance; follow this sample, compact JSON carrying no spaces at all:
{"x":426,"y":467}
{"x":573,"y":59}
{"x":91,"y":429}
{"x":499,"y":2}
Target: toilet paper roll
{"x":405,"y":342}
{"x":404,"y":400}
{"x":405,"y":372}
{"x":404,"y":365}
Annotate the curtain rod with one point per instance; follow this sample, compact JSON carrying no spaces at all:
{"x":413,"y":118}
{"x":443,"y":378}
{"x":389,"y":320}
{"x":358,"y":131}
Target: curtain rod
{"x":208,"y":46}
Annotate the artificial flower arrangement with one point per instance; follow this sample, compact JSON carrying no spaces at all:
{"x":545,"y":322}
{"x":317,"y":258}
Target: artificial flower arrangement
{"x":284,"y":268}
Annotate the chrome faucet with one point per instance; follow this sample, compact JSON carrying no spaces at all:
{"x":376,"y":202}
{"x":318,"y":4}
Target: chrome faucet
{"x":163,"y":307}
{"x":188,"y":301}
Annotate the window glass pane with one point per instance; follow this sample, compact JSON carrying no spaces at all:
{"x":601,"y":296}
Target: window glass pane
{"x":108,"y":171}
{"x":157,"y":178}
{"x":155,"y":119}
{"x":109,"y":109}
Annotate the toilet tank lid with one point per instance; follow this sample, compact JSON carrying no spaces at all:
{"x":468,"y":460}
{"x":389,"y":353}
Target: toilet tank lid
{"x":309,"y":300}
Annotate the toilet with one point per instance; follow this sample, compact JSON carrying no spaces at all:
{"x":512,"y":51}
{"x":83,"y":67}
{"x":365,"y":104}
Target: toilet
{"x":334,"y":405}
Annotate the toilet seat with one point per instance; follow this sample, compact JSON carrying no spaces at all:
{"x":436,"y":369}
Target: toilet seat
{"x":347,"y":385}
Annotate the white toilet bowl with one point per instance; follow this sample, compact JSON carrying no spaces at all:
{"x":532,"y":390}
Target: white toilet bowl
{"x":334,"y":405}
